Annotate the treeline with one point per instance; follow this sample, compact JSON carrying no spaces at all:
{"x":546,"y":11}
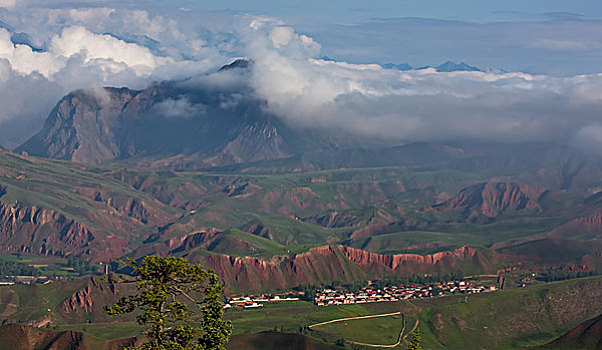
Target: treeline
{"x":78,"y":264}
{"x":14,"y":268}
{"x":17,"y":268}
{"x":553,"y":275}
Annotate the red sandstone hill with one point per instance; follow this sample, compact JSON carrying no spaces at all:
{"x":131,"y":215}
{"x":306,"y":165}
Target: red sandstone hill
{"x":491,"y":199}
{"x":336,"y":263}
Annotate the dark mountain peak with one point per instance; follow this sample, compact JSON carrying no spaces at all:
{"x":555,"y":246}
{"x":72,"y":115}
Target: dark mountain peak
{"x":169,"y":125}
{"x":401,"y":66}
{"x":21,"y":38}
{"x":239,"y":63}
{"x":6,"y":26}
{"x":450,"y":66}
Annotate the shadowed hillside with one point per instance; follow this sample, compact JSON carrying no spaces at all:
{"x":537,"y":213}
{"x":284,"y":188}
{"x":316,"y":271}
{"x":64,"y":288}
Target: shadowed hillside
{"x":587,"y":335}
{"x":275,"y":341}
{"x":20,"y":337}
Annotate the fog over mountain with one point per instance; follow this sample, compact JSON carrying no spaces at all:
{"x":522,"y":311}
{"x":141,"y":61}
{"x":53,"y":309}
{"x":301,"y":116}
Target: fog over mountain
{"x":89,"y":47}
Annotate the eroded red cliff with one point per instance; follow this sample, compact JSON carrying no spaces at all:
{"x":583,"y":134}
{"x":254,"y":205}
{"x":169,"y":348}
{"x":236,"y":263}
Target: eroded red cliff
{"x":326,"y":264}
{"x":41,"y":231}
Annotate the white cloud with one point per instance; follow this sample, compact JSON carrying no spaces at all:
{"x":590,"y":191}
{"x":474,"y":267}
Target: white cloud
{"x":77,"y":52}
{"x":8,"y":3}
{"x":281,"y":36}
{"x":287,"y":73}
{"x":179,"y":108}
{"x":24,"y":60}
{"x":418,"y":105}
{"x":78,"y":40}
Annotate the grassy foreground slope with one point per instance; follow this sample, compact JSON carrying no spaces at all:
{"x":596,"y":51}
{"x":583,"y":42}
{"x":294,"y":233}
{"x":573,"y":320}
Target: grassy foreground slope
{"x":512,"y":318}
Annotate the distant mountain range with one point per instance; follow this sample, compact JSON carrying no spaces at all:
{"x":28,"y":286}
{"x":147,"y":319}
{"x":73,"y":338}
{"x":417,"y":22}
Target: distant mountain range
{"x":448,"y":66}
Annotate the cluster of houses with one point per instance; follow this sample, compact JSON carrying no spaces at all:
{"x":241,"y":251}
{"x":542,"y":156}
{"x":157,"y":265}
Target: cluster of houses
{"x":371,"y":294}
{"x":255,"y":301}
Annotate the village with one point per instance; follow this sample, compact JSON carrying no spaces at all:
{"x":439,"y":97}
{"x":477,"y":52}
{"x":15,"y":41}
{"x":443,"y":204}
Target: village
{"x":371,"y":294}
{"x":255,"y":301}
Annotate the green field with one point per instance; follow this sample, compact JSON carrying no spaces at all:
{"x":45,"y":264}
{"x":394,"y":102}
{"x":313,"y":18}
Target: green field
{"x":381,"y":330}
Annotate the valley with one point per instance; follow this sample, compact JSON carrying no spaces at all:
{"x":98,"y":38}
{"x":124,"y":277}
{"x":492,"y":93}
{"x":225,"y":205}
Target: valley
{"x":315,"y":176}
{"x":529,"y":317}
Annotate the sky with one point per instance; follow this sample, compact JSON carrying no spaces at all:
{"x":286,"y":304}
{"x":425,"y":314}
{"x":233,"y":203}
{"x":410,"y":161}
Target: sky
{"x":540,"y":59}
{"x":352,"y":10}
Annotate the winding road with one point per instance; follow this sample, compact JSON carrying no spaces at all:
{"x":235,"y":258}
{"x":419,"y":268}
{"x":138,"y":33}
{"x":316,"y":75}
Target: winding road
{"x":400,"y":338}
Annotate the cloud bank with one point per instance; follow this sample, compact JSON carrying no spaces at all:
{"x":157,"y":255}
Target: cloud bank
{"x":421,"y":105}
{"x":90,"y":47}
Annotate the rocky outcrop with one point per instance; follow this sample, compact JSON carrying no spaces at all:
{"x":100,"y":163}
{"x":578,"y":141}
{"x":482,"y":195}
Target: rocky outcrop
{"x":584,"y":226}
{"x":590,"y":222}
{"x":491,"y":199}
{"x":192,"y":240}
{"x":79,"y":302}
{"x":88,"y":298}
{"x":356,"y":218}
{"x":393,"y":262}
{"x":41,"y":231}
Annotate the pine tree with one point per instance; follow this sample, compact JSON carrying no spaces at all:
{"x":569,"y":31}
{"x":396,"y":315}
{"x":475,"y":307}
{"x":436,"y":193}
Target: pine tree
{"x":167,"y":287}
